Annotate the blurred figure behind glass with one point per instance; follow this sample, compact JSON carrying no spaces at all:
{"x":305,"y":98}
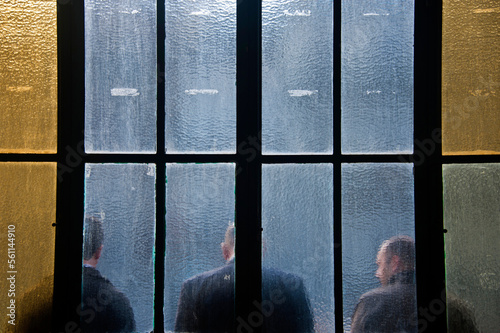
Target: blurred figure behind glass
{"x":206,"y":302}
{"x":392,"y":307}
{"x":104,"y":308}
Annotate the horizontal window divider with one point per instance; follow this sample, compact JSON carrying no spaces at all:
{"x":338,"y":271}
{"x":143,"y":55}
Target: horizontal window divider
{"x":454,"y":159}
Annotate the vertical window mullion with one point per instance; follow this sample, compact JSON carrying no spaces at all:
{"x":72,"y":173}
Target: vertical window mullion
{"x":337,"y":166}
{"x":70,"y":157}
{"x":160,"y":245}
{"x":427,"y":158}
{"x":248,"y":174}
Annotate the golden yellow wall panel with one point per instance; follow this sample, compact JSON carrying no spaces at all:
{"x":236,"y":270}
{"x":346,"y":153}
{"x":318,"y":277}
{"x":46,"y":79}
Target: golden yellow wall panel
{"x":471,"y":77}
{"x":28,"y":76}
{"x":27,"y":211}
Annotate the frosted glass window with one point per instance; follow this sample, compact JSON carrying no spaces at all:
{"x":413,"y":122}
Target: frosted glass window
{"x":377,"y":204}
{"x":470,"y":73}
{"x":200,"y":87}
{"x":472,"y":219}
{"x":122,"y":198}
{"x":120,"y":76}
{"x":200,"y":206}
{"x":27,"y":211}
{"x":297,"y":222}
{"x":28,"y":76}
{"x":297,"y":77}
{"x":377,"y":77}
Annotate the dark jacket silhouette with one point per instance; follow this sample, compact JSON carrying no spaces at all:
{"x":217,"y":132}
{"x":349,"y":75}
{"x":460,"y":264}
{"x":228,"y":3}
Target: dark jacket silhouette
{"x":104,"y":308}
{"x":206,"y":303}
{"x":389,"y":309}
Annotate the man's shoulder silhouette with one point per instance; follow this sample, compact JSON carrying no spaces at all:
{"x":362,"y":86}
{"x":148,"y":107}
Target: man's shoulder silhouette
{"x":206,"y":303}
{"x":104,"y":308}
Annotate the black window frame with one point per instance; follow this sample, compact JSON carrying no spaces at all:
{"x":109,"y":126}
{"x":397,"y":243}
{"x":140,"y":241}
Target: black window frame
{"x":71,"y":160}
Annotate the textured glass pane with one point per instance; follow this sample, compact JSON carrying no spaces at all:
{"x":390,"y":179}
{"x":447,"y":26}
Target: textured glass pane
{"x":120,"y":76}
{"x":377,"y":204}
{"x":27,"y":211}
{"x":297,"y":222}
{"x":28,"y":76}
{"x":297,"y":77}
{"x":471,"y":77}
{"x":200,"y":206}
{"x":377,"y":77}
{"x":200,"y":76}
{"x":122,"y":198}
{"x":472,"y":218}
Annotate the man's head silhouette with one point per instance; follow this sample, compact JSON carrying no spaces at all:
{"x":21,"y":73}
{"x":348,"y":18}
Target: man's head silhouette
{"x":93,"y":241}
{"x":396,"y":255}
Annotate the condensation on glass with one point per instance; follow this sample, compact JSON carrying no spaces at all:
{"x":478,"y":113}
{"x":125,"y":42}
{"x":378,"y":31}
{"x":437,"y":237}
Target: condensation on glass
{"x":122,"y":197}
{"x":27,"y":212}
{"x":297,"y":77}
{"x":200,"y":204}
{"x":120,"y":76}
{"x":297,"y":222}
{"x":28,"y":76}
{"x":471,"y":77}
{"x":377,"y":77}
{"x":200,"y":78}
{"x":472,"y":220}
{"x":377,"y":204}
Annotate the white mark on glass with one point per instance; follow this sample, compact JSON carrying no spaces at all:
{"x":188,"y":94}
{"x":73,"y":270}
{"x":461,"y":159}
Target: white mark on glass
{"x":19,"y":89}
{"x":375,"y":14}
{"x":297,"y":13}
{"x":300,"y":93}
{"x":133,"y":12}
{"x":124,"y":92}
{"x":369,"y":92}
{"x":151,"y":170}
{"x":203,"y":12}
{"x":486,"y":10}
{"x":201,"y":91}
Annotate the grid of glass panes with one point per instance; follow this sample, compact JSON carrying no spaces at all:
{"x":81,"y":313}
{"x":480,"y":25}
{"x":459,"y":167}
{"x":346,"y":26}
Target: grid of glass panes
{"x":297,"y":113}
{"x":297,"y":119}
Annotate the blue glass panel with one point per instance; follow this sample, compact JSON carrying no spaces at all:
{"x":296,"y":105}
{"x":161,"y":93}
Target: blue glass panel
{"x":297,"y":77}
{"x":377,"y":204}
{"x":297,"y":222}
{"x":122,"y":198}
{"x":200,"y":76}
{"x":377,"y":77}
{"x":200,"y":206}
{"x":120,"y":76}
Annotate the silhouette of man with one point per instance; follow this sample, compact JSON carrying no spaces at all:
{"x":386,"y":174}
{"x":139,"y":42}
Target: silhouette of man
{"x":391,"y":307}
{"x":206,"y":302}
{"x":104,"y":308}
